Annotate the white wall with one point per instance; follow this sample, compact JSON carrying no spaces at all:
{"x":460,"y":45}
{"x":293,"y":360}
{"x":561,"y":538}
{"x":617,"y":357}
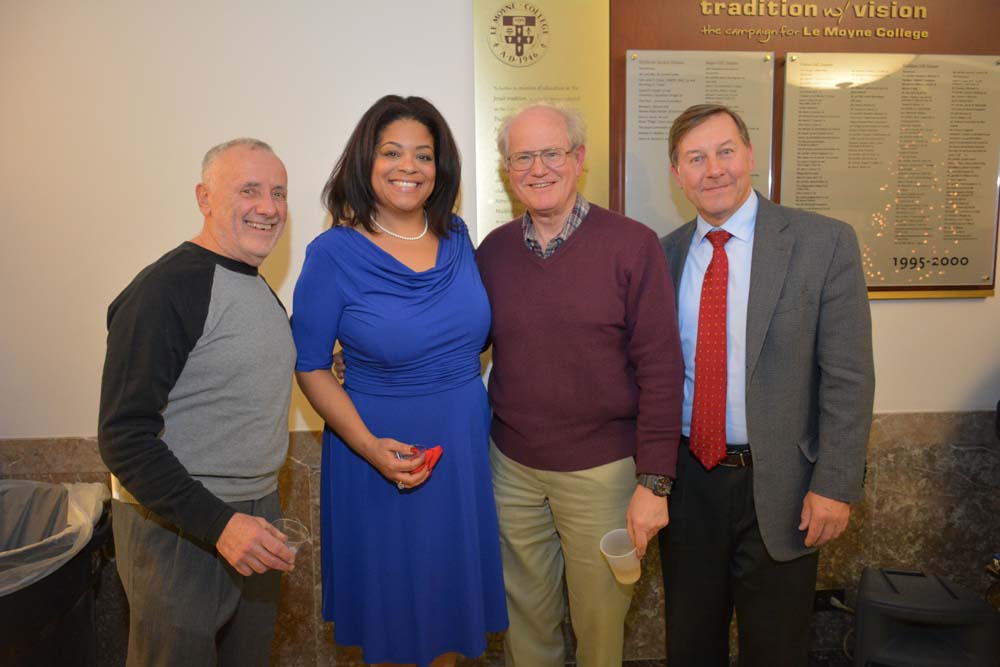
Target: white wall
{"x":936,"y":355}
{"x":108,"y":106}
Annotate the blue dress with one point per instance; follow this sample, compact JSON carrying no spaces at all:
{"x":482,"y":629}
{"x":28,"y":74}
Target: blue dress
{"x":406,"y":575}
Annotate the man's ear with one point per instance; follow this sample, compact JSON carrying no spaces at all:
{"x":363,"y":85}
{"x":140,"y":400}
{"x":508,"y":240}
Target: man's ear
{"x":677,"y":176}
{"x":201,"y":195}
{"x":579,"y":157}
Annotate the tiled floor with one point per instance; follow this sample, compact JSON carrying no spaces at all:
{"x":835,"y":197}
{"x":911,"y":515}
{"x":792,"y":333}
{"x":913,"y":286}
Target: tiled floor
{"x":816,"y":659}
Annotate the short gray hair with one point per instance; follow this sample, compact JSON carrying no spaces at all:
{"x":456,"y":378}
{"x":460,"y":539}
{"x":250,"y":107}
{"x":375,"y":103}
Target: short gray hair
{"x":576,"y":128}
{"x":215,"y":151}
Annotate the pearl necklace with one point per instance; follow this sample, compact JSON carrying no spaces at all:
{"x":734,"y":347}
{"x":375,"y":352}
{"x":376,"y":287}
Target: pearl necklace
{"x":400,"y":236}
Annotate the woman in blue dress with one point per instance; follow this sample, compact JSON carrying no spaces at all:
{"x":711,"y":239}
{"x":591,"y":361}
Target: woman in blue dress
{"x":410,"y":556}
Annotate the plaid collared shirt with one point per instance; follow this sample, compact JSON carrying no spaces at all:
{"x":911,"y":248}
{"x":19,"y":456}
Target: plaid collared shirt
{"x":580,"y":210}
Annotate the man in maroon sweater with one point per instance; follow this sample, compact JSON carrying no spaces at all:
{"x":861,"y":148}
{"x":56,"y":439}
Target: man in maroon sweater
{"x":586,"y":391}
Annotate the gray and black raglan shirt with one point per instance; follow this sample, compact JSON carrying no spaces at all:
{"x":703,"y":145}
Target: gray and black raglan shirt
{"x":196,"y":387}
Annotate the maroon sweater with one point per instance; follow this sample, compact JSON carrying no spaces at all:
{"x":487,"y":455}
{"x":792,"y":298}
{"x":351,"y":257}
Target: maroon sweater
{"x":587,"y":364}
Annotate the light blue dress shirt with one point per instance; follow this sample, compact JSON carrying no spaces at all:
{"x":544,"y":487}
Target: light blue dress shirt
{"x":739,"y":250}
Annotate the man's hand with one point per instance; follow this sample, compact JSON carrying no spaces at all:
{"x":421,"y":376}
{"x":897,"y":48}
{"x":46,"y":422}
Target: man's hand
{"x":824,"y":518}
{"x":251,"y":544}
{"x":647,"y":514}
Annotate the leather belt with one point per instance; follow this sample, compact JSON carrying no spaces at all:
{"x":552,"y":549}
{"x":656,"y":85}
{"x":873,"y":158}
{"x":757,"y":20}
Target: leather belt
{"x":737,"y":456}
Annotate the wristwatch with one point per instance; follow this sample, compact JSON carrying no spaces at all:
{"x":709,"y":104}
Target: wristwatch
{"x":660,"y":485}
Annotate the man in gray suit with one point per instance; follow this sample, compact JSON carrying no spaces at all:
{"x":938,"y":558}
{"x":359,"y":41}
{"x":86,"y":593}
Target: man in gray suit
{"x":779,"y":382}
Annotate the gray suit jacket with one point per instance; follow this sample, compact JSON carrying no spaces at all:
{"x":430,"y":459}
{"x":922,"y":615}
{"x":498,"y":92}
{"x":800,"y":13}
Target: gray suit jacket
{"x":810,"y":378}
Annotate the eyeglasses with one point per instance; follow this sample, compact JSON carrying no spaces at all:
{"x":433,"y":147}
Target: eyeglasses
{"x":551,"y":157}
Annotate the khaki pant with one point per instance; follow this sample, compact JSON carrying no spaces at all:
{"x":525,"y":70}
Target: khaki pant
{"x":551,"y":523}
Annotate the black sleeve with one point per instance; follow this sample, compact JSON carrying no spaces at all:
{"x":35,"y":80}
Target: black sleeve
{"x":152,"y":327}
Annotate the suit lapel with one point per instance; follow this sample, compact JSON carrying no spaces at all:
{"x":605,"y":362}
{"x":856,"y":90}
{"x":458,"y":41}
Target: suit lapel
{"x":769,"y":264}
{"x":676,"y":248}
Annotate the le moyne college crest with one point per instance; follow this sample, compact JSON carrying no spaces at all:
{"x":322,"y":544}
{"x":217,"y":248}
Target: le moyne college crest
{"x":519,"y":34}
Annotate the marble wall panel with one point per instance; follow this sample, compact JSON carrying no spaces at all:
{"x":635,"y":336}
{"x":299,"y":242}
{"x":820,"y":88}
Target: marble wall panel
{"x":932,"y":503}
{"x":29,"y":457}
{"x":295,"y":634}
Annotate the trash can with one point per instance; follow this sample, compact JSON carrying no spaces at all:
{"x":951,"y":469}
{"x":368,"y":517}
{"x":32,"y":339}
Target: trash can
{"x":51,"y":540}
{"x":920,"y":620}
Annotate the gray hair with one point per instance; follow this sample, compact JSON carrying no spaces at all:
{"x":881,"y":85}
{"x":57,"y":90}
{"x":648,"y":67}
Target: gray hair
{"x":215,"y":151}
{"x":576,"y":128}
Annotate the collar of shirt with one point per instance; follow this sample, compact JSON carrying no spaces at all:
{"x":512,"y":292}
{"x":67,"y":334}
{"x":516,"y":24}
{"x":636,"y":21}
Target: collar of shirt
{"x":580,"y":210}
{"x":740,"y":224}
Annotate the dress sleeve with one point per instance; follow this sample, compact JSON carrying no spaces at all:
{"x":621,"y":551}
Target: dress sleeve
{"x":152,"y":328}
{"x":317,"y":306}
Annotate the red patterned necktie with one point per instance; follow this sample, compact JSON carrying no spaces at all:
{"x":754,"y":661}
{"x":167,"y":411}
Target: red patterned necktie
{"x":708,"y":415}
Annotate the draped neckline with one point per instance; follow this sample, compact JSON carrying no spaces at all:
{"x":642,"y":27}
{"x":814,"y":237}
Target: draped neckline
{"x":386,"y":255}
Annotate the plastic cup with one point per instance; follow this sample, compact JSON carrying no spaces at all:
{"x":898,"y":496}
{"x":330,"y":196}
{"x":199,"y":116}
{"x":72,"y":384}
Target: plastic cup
{"x":298,"y":534}
{"x":619,"y":551}
{"x":405,"y":457}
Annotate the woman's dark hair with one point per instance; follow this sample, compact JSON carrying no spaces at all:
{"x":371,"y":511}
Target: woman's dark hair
{"x":348,"y":194}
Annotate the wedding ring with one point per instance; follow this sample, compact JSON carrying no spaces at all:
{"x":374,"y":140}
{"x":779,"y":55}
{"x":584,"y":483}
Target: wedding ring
{"x":400,"y":486}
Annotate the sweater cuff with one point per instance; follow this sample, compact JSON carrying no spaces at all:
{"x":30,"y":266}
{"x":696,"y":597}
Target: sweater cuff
{"x":218,"y":524}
